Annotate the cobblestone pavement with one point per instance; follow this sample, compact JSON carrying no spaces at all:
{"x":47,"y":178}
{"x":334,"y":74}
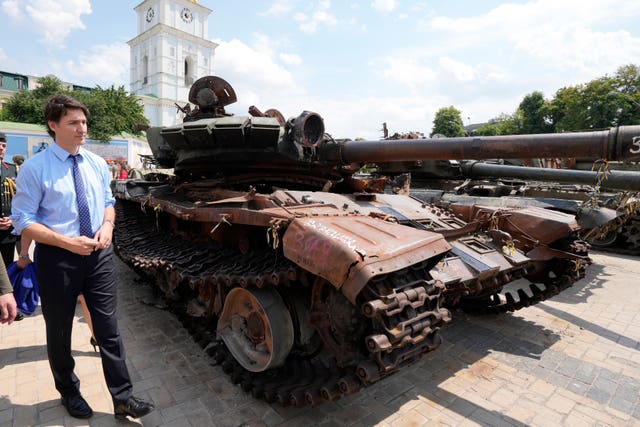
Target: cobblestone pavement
{"x":573,"y":360}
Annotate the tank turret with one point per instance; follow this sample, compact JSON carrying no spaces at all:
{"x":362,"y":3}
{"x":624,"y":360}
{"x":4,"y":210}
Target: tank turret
{"x":211,"y":142}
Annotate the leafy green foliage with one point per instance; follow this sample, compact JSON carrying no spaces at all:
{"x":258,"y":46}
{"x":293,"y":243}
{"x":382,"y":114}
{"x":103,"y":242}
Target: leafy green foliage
{"x":532,"y":110}
{"x":504,"y":124}
{"x":599,"y":104}
{"x":27,"y":106}
{"x":112,"y":111}
{"x":448,"y":122}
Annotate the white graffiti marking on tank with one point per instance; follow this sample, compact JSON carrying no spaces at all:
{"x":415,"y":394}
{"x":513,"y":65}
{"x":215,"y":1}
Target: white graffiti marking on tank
{"x":636,"y":142}
{"x":335,"y":234}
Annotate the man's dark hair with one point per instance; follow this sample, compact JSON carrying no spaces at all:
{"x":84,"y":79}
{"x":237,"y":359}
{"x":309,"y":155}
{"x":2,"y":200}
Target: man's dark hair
{"x":3,"y":137}
{"x":57,"y":107}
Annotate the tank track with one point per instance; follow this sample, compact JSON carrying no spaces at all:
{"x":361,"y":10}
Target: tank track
{"x":623,"y":235}
{"x":564,"y":273}
{"x":404,"y":306}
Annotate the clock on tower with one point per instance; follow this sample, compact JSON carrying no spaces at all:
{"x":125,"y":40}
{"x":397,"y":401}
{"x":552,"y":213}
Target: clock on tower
{"x":186,"y":15}
{"x":150,"y":14}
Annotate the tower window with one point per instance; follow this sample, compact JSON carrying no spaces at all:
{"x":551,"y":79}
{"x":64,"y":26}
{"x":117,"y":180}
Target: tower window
{"x":145,"y":70}
{"x":188,"y":72}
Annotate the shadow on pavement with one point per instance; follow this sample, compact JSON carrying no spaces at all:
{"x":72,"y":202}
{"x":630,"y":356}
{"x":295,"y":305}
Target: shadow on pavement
{"x":52,"y":413}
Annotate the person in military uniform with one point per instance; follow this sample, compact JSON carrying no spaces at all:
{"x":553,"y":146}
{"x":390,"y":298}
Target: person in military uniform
{"x":8,"y":172}
{"x":8,"y":306}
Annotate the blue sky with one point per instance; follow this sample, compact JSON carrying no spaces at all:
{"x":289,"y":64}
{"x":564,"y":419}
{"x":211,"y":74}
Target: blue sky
{"x":357,"y":63}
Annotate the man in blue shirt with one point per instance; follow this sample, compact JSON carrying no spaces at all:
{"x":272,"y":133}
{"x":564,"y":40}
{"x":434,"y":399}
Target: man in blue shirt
{"x":64,"y":203}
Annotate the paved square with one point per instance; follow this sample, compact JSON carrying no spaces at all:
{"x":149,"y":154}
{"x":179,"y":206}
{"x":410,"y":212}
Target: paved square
{"x":573,"y":361}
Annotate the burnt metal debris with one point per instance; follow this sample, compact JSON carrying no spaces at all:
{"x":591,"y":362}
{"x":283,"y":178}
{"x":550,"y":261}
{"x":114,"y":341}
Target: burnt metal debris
{"x":308,"y":283}
{"x":604,"y":199}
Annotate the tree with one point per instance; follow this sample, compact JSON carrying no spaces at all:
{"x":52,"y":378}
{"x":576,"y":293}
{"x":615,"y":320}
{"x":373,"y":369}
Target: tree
{"x":602,"y":107}
{"x":601,"y":103}
{"x":27,"y":106}
{"x":111,"y":111}
{"x":567,"y":111}
{"x":627,"y":93}
{"x":448,"y":122}
{"x":627,"y":79}
{"x":504,"y":124}
{"x":532,"y":110}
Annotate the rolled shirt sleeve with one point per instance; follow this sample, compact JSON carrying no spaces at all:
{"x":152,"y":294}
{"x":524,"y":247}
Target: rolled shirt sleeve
{"x":26,"y":201}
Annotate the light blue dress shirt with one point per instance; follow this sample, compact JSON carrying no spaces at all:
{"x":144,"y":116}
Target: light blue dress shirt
{"x":46,"y":193}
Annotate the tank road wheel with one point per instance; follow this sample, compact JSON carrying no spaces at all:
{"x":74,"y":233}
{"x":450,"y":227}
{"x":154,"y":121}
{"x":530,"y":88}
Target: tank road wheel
{"x":607,"y":239}
{"x":256,"y":327}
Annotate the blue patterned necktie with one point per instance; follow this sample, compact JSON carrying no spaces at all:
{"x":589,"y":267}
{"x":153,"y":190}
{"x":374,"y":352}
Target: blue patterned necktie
{"x":81,"y":199}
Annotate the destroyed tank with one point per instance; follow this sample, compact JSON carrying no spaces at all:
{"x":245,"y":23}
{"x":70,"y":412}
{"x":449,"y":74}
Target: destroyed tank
{"x":604,"y":199}
{"x":310,"y":283}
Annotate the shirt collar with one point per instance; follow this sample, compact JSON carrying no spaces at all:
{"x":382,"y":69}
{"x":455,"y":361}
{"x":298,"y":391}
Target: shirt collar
{"x":61,"y":153}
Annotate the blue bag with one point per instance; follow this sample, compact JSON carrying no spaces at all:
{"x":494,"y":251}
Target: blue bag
{"x":25,"y":287}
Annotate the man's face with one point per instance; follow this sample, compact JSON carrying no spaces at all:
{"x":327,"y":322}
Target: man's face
{"x":3,"y":149}
{"x":71,"y":130}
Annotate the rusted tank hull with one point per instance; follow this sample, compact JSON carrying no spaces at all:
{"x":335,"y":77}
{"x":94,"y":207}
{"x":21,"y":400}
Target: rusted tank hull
{"x":343,"y":289}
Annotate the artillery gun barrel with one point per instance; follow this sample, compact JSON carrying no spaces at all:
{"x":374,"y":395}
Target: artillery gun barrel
{"x":615,"y":180}
{"x":618,"y":143}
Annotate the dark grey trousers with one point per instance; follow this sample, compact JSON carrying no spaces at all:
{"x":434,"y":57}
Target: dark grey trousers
{"x":62,"y":276}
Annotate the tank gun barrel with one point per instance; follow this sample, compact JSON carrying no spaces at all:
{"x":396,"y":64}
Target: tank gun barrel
{"x":618,"y":143}
{"x":615,"y":180}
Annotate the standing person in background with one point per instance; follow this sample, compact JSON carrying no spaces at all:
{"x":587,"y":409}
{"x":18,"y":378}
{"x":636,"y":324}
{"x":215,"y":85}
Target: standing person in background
{"x":8,"y":174}
{"x":112,"y":169}
{"x":65,"y":204}
{"x":124,"y":173}
{"x":18,"y":160}
{"x":115,"y":171}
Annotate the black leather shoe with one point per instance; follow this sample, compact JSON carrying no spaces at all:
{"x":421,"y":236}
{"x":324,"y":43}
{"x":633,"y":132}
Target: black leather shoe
{"x":133,"y":407}
{"x":77,"y":407}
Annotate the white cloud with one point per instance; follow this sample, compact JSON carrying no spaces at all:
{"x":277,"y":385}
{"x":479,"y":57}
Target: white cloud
{"x":318,"y":16}
{"x":278,"y":8}
{"x":104,"y":65}
{"x":274,"y":47}
{"x":559,"y":35}
{"x":12,"y":9}
{"x":460,"y":71}
{"x":256,"y":75}
{"x":3,"y":55}
{"x":407,"y":70}
{"x":384,"y":5}
{"x":52,"y":21}
{"x":290,"y":58}
{"x":485,"y":64}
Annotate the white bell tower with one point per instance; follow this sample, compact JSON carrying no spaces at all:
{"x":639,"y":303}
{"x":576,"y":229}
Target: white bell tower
{"x":169,"y":53}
